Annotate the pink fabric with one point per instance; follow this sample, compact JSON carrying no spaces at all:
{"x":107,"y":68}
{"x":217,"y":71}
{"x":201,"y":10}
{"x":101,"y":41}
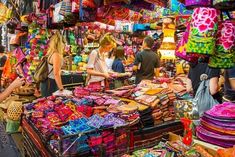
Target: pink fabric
{"x":225,"y":110}
{"x":197,"y":3}
{"x":181,"y":48}
{"x":226,"y":35}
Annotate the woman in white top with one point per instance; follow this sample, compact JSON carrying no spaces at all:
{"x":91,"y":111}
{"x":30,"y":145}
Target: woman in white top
{"x":96,"y":67}
{"x":55,"y":61}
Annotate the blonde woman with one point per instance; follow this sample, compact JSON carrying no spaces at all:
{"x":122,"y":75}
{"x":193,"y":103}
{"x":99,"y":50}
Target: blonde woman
{"x":55,"y":61}
{"x":96,"y":67}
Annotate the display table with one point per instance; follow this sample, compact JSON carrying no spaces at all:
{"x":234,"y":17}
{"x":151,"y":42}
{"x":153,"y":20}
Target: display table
{"x":35,"y":146}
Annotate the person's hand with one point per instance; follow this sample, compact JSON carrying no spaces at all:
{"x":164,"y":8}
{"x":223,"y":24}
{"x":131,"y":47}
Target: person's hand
{"x":106,"y":75}
{"x":17,"y":82}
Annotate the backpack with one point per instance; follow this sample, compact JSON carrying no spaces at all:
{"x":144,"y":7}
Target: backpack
{"x":42,"y":71}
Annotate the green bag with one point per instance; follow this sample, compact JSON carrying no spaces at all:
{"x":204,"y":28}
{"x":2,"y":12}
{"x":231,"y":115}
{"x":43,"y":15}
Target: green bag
{"x":222,"y":61}
{"x":42,"y":71}
{"x":12,"y":126}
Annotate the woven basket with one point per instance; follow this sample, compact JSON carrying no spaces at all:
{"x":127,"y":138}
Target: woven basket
{"x":27,"y":90}
{"x":14,"y":110}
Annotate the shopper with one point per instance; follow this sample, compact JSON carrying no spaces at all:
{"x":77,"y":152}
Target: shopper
{"x":55,"y":62}
{"x":96,"y":68}
{"x":3,"y":59}
{"x":15,"y":84}
{"x":109,"y":60}
{"x":195,"y":75}
{"x":229,"y":85}
{"x":146,"y":61}
{"x":118,"y":65}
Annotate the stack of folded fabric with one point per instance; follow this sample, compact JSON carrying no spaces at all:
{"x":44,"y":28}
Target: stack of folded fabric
{"x":218,"y":125}
{"x":146,"y":117}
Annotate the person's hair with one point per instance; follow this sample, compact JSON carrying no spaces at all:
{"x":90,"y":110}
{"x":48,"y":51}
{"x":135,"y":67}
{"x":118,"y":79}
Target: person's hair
{"x":119,"y":52}
{"x":56,"y":44}
{"x":149,"y":41}
{"x":107,"y":39}
{"x":2,"y":49}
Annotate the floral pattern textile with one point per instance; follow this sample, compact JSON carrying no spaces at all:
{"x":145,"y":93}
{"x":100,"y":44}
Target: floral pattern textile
{"x":181,"y":48}
{"x":203,"y":29}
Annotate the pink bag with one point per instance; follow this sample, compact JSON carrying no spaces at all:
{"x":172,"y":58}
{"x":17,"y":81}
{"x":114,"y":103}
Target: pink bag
{"x":20,"y":56}
{"x":197,"y":3}
{"x":181,"y":48}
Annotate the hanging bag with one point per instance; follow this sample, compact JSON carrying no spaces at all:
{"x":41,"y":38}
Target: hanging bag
{"x":203,"y":29}
{"x":181,"y":48}
{"x":225,"y":46}
{"x":42,"y":71}
{"x":66,"y":8}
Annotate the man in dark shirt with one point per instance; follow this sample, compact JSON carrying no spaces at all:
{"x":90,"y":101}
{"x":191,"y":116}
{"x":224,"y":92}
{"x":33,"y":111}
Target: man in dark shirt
{"x":3,"y":59}
{"x":146,"y":61}
{"x":229,"y":85}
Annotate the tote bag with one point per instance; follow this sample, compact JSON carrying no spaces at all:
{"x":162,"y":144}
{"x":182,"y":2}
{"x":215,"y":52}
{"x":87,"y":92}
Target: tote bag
{"x":203,"y":99}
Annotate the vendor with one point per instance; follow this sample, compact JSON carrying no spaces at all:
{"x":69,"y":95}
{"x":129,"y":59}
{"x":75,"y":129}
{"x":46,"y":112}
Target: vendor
{"x":55,"y":59}
{"x":229,"y":85}
{"x":96,"y":67}
{"x":146,"y":61}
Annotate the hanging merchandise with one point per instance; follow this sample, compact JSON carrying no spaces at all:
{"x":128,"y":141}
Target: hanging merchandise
{"x":224,"y":4}
{"x":108,"y":2}
{"x":181,"y":48}
{"x":161,"y":3}
{"x":66,"y":7}
{"x":5,"y":13}
{"x":20,"y":56}
{"x":197,"y":3}
{"x":57,"y":17}
{"x":225,"y":46}
{"x":203,"y":29}
{"x":141,"y":27}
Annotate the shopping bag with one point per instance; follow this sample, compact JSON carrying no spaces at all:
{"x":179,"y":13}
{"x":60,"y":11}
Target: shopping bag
{"x":203,"y":99}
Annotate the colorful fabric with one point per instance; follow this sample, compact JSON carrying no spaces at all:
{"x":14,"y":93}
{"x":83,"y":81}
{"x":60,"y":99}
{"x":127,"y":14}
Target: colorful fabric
{"x":181,"y":48}
{"x":222,"y":61}
{"x":203,"y":29}
{"x":197,"y":3}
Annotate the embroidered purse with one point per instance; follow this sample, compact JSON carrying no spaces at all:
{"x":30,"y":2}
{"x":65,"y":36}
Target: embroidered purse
{"x":203,"y":29}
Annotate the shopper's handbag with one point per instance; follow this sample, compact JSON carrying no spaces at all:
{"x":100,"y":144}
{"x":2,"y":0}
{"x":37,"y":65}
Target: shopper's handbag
{"x":197,"y":3}
{"x":203,"y":99}
{"x":181,"y":48}
{"x":42,"y":71}
{"x":224,"y":4}
{"x":203,"y":29}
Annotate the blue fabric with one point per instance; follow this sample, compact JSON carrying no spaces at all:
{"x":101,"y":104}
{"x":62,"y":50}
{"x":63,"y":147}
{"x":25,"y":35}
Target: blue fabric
{"x":118,"y":66}
{"x":141,"y":27}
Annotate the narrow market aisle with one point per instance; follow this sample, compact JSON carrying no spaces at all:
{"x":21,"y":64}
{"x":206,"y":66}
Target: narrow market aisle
{"x":9,"y":144}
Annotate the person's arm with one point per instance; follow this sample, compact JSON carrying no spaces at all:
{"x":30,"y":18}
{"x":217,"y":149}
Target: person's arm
{"x":157,"y":67}
{"x":189,"y":86}
{"x":232,"y":83}
{"x":214,"y":85}
{"x":15,"y":84}
{"x":57,"y":61}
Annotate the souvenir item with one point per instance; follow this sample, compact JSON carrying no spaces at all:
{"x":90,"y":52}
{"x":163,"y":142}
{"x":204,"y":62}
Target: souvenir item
{"x":14,"y":110}
{"x":203,"y":29}
{"x":57,"y":17}
{"x":181,"y":48}
{"x":225,"y":46}
{"x":197,"y":3}
{"x":66,"y":8}
{"x":224,"y":4}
